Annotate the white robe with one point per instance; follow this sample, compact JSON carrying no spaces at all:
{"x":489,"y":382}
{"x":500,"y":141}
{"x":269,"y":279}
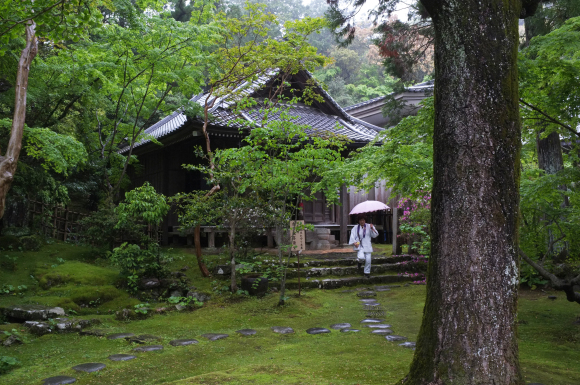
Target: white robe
{"x":365,"y":243}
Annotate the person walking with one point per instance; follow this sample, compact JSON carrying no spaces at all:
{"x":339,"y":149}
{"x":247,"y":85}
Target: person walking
{"x":360,"y":237}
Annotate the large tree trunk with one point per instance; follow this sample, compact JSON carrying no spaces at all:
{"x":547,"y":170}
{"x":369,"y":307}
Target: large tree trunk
{"x":468,"y":333}
{"x":9,"y":161}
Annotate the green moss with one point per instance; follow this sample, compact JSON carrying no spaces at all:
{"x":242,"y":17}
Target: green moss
{"x":9,"y":242}
{"x":74,"y":272}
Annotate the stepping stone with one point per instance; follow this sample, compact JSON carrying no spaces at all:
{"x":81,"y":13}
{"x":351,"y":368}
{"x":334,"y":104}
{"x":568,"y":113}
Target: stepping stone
{"x":59,"y":380}
{"x":348,"y":291}
{"x":183,"y":342}
{"x":379,"y":326}
{"x":148,"y":348}
{"x":282,"y":330}
{"x":367,"y":294}
{"x":552,"y":297}
{"x":348,"y":330}
{"x":215,"y":336}
{"x":121,"y":357}
{"x":142,"y":339}
{"x":93,"y":332}
{"x":371,"y":321}
{"x":368,"y":300}
{"x":246,"y":332}
{"x":371,"y":305}
{"x":382,"y":288}
{"x":340,"y":326}
{"x":395,"y":338}
{"x":382,"y":332}
{"x":118,"y":336}
{"x":90,"y":367}
{"x":410,"y":345}
{"x":317,"y":331}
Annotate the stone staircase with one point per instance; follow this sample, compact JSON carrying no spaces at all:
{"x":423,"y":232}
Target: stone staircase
{"x":335,"y":270}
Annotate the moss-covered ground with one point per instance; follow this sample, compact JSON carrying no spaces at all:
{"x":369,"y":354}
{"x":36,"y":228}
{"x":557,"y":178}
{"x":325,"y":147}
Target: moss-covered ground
{"x":549,"y":340}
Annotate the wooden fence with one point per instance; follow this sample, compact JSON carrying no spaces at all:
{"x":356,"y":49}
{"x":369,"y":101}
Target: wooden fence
{"x":56,"y":221}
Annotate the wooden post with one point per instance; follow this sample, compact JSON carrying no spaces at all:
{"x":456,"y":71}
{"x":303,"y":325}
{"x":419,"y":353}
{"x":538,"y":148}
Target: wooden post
{"x":65,"y":222}
{"x":54,"y":222}
{"x":395,"y":228}
{"x":344,"y":215}
{"x":211,"y":239}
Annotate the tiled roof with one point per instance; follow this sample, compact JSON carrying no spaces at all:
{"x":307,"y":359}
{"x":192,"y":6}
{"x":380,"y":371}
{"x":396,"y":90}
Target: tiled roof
{"x":421,"y":87}
{"x":354,"y":129}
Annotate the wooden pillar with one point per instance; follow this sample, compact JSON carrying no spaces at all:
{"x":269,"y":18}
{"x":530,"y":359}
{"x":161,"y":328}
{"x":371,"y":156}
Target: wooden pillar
{"x":65,"y":222}
{"x":395,"y":229}
{"x":344,"y":215}
{"x":165,"y":191}
{"x":211,"y":239}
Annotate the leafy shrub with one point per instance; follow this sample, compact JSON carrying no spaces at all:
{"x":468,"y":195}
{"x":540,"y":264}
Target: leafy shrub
{"x":31,"y":243}
{"x":9,"y":242}
{"x":7,"y":364}
{"x":136,"y":263}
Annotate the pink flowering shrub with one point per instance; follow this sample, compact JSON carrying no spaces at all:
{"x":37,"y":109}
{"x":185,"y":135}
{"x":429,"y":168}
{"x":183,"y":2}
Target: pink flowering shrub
{"x":414,"y":223}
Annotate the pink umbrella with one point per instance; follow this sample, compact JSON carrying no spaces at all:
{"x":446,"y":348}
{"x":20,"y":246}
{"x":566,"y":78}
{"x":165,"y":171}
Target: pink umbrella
{"x":368,"y":206}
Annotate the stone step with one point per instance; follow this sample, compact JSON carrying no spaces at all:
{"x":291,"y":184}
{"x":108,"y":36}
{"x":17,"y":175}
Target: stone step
{"x":347,"y":260}
{"x":353,"y":270}
{"x":335,"y":283}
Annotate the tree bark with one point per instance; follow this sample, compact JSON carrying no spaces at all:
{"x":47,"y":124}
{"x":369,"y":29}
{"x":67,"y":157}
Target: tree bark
{"x":232,"y":239}
{"x":197,"y":240}
{"x":9,"y":162}
{"x":468,"y":333}
{"x":550,"y":153}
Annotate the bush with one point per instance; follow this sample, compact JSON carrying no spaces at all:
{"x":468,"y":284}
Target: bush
{"x":31,"y":243}
{"x":7,"y":364}
{"x":136,"y":263}
{"x":9,"y":242}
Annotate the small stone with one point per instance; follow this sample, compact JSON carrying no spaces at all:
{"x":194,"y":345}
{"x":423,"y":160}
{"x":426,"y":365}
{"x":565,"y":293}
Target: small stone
{"x":410,"y":345}
{"x":184,"y":268}
{"x":12,"y":340}
{"x":148,"y":348}
{"x":282,"y":330}
{"x":368,"y":300}
{"x":349,"y":330}
{"x":340,"y":326}
{"x":215,"y":336}
{"x":382,"y":332}
{"x":118,"y":336}
{"x":176,"y":293}
{"x":317,"y":331}
{"x":142,"y":339}
{"x":367,"y":294}
{"x":379,"y":326}
{"x":201,"y":297}
{"x":372,"y":320}
{"x":40,"y":329}
{"x":395,"y":338}
{"x":59,"y":380}
{"x":183,"y":342}
{"x":246,"y":332}
{"x":122,"y":357}
{"x":149,"y":283}
{"x":179,"y":307}
{"x":552,"y":297}
{"x":382,"y":288}
{"x":90,"y":367}
{"x":93,"y":332}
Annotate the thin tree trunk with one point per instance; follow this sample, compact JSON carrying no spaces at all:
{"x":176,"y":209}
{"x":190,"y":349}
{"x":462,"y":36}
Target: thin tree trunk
{"x":9,"y":162}
{"x":468,"y":333}
{"x":281,"y":262}
{"x":233,"y":284}
{"x":197,"y":240}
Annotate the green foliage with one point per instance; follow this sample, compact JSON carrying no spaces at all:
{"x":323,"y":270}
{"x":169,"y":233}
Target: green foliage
{"x":31,"y":243}
{"x":141,"y":308}
{"x":13,"y":290}
{"x":8,"y":363}
{"x":402,"y":156}
{"x":188,"y":302}
{"x":142,"y":203}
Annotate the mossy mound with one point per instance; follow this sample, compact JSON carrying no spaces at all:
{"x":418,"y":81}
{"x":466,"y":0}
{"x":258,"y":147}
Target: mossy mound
{"x":31,"y":243}
{"x":74,"y":272}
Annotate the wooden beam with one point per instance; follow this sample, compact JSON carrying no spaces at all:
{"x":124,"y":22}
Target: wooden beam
{"x":344,"y":215}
